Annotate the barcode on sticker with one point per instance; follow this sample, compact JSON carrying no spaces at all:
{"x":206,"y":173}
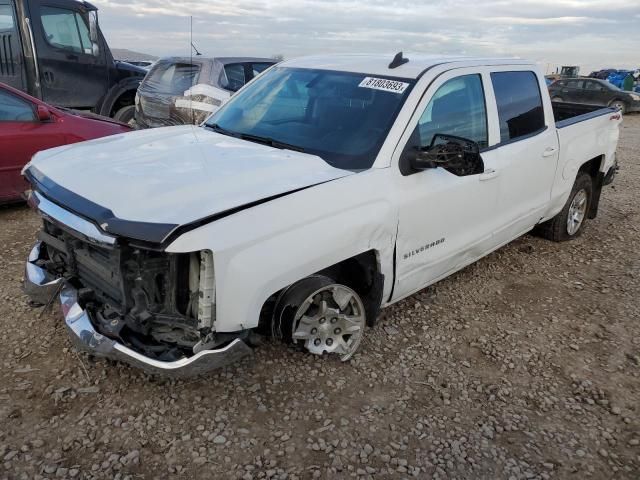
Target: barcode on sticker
{"x":384,"y":84}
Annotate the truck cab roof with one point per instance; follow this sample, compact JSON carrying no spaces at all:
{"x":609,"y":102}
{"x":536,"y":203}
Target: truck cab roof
{"x":379,"y":64}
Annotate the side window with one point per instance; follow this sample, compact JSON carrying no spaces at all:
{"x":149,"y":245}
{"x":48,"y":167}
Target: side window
{"x":172,"y":78}
{"x":520,"y":109}
{"x":15,"y":109}
{"x":258,"y":68}
{"x":594,"y":86}
{"x":235,"y":76}
{"x":574,"y":83}
{"x":65,"y":29}
{"x":457,"y":108}
{"x":6,"y":17}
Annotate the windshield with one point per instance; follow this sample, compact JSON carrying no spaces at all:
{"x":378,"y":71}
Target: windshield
{"x":342,"y":117}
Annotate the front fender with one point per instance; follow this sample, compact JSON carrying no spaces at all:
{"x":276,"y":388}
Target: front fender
{"x":259,"y":251}
{"x":115,"y":92}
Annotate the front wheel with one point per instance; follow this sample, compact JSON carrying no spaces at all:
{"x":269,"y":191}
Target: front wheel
{"x":569,"y":223}
{"x":322,"y":315}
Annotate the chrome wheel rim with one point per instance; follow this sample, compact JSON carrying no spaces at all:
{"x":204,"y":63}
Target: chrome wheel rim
{"x":332,"y":320}
{"x":577,"y":212}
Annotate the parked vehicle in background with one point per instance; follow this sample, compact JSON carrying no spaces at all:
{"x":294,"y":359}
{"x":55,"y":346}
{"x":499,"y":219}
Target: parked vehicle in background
{"x":181,"y":90}
{"x":146,"y":64}
{"x":28,"y":125}
{"x":593,"y":91}
{"x":326,"y":189}
{"x":54,"y":50}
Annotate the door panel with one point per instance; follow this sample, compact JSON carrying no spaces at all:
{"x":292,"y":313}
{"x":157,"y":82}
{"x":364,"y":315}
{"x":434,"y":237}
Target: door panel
{"x":446,"y":221}
{"x":71,"y":75}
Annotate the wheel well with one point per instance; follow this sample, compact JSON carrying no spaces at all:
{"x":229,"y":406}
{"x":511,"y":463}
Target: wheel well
{"x":592,"y":168}
{"x":127,"y":98}
{"x":361,"y":273}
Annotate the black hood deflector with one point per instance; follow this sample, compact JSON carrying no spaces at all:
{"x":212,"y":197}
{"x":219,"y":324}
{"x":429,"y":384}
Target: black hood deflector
{"x":156,"y":236}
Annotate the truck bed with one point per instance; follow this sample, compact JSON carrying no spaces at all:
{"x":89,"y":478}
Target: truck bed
{"x":569,"y":113}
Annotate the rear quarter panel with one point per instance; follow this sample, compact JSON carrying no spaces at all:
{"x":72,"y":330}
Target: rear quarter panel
{"x":579,"y":143}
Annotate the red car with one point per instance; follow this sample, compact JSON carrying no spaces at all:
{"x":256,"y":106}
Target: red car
{"x":28,"y":125}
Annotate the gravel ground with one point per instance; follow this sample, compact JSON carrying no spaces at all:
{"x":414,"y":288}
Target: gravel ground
{"x":524,"y":365}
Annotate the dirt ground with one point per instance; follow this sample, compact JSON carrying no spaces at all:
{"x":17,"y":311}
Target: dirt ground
{"x":524,"y":365}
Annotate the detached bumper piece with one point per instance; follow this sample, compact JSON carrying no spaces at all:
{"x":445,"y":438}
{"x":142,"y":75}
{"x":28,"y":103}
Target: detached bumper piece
{"x":41,"y":288}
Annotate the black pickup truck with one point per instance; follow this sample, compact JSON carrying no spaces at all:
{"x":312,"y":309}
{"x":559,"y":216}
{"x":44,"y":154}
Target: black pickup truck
{"x":54,"y":50}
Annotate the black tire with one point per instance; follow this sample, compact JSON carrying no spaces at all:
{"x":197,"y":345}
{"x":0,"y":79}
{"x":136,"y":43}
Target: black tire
{"x":125,"y":114}
{"x":285,"y":321}
{"x":290,"y":300}
{"x":556,"y":229}
{"x":620,"y":105}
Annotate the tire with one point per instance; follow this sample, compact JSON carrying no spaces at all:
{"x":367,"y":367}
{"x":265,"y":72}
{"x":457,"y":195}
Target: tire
{"x":620,"y":105}
{"x":125,"y":114}
{"x":558,"y":228}
{"x":321,"y":315}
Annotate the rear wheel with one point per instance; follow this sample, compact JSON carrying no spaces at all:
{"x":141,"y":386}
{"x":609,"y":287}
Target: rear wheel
{"x":569,"y":223}
{"x":322,"y":315}
{"x":125,"y":114}
{"x":620,"y":105}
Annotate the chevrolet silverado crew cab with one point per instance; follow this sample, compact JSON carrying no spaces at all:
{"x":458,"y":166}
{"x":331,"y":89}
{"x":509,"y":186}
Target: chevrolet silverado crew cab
{"x":324,"y":190}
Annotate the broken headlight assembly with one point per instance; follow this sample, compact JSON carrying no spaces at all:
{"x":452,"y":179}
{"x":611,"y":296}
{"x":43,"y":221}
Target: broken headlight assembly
{"x":160,"y":304}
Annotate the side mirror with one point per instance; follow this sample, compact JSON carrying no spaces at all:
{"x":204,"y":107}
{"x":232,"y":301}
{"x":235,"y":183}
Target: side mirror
{"x":457,"y":155}
{"x":44,"y":115}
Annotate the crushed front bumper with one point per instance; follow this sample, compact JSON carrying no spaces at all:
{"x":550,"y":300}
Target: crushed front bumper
{"x":41,"y":289}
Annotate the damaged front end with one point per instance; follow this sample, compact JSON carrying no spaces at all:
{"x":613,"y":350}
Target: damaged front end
{"x":150,"y":308}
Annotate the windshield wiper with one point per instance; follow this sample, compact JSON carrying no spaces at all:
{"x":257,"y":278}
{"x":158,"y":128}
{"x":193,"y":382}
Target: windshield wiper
{"x":218,"y":129}
{"x":270,"y":141}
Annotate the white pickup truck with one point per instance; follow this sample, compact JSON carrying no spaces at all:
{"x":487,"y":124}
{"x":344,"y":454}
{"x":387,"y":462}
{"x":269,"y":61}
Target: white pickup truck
{"x":326,"y":189}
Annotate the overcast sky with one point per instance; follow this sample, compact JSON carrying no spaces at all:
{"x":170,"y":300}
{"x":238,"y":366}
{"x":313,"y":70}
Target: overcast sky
{"x":589,"y":33}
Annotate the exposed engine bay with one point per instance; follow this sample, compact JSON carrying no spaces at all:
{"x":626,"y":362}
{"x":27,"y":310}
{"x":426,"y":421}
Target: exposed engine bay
{"x":159,"y":304}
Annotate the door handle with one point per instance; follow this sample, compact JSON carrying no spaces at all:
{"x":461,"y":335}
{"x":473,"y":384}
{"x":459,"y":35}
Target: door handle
{"x":489,"y":174}
{"x":48,"y":77}
{"x":549,"y":152}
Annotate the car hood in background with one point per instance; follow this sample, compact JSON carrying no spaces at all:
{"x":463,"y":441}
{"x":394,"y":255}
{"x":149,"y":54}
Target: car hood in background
{"x":145,"y":184}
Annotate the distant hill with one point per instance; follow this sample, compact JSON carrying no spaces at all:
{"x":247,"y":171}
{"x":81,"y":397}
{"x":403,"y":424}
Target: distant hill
{"x":124,"y":54}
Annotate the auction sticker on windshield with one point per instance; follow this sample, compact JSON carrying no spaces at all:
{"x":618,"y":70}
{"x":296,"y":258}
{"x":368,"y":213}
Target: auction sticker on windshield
{"x":384,"y":84}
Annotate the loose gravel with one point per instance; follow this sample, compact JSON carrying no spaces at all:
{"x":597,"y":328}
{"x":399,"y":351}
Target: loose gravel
{"x":525,"y":365}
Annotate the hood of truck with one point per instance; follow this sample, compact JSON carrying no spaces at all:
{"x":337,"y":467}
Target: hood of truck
{"x":146,"y":184}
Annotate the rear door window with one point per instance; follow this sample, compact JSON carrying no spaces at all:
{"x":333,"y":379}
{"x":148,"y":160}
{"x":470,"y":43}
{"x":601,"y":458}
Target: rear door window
{"x":520,"y":109}
{"x":15,"y":109}
{"x":457,"y":108}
